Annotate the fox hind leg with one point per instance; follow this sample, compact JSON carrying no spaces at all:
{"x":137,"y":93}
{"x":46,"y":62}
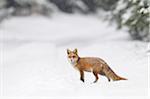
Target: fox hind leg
{"x":103,"y":74}
{"x":108,"y":79}
{"x":96,"y":77}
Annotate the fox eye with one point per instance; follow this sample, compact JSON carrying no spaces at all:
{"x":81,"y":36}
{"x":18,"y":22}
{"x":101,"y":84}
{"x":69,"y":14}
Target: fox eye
{"x":73,"y":56}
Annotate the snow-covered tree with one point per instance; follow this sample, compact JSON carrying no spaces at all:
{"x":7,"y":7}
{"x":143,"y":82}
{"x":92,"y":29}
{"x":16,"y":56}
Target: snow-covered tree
{"x":107,"y":5}
{"x":135,"y":15}
{"x":70,"y":6}
{"x":4,"y":12}
{"x":28,"y":7}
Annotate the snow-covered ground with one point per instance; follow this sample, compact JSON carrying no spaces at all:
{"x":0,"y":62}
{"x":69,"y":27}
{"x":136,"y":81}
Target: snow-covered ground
{"x":34,"y":60}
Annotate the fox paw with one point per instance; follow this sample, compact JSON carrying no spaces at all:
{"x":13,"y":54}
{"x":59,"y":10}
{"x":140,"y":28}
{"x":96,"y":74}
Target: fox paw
{"x":95,"y":81}
{"x":82,"y":80}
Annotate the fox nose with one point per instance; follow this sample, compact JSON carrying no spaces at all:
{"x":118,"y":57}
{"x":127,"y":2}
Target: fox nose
{"x":71,"y":58}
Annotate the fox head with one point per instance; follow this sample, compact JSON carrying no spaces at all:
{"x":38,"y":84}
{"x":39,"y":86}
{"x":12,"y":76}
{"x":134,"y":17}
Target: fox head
{"x":73,"y":56}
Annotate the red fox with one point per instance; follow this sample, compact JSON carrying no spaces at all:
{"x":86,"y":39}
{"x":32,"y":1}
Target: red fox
{"x":92,"y":64}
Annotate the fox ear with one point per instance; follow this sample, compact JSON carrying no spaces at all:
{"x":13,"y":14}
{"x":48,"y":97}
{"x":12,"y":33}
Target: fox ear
{"x":68,"y":51}
{"x":75,"y":51}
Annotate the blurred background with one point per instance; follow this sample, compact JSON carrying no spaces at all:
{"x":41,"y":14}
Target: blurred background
{"x":34,"y":36}
{"x":132,"y":14}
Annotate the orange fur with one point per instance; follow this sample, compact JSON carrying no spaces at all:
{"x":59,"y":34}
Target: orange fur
{"x":92,"y":64}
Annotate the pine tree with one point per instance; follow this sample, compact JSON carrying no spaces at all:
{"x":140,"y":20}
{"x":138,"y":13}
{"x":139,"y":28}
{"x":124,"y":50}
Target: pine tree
{"x":135,"y":15}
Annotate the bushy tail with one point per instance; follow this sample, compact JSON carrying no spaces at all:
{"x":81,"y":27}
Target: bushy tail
{"x":120,"y":78}
{"x":112,"y":75}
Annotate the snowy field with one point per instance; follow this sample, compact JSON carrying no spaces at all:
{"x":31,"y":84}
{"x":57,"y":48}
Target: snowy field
{"x":34,"y":60}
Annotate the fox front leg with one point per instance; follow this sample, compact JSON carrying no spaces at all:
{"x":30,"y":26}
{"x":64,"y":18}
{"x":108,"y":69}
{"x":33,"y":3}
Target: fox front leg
{"x":82,"y":76}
